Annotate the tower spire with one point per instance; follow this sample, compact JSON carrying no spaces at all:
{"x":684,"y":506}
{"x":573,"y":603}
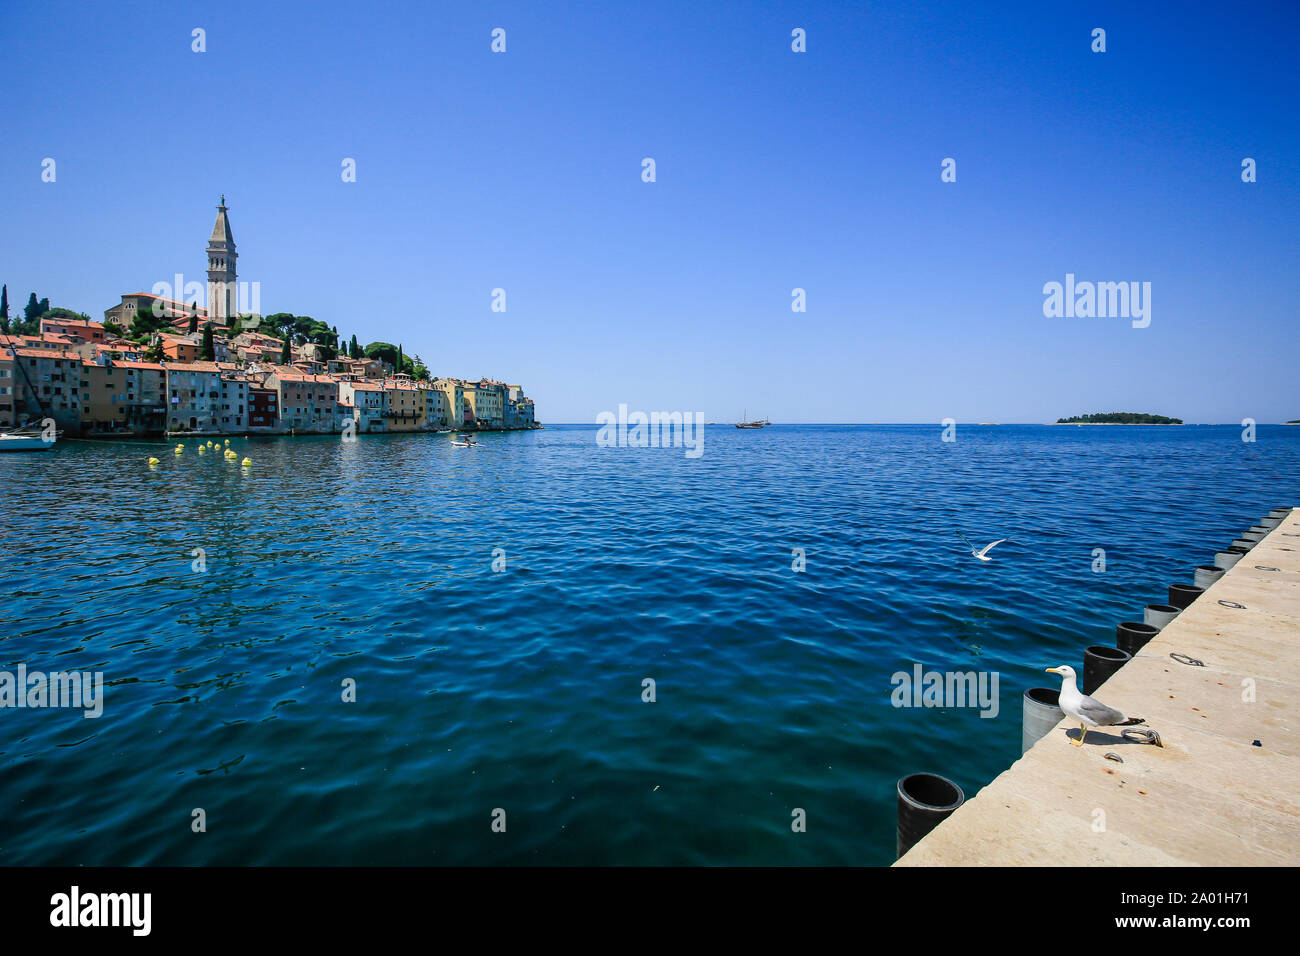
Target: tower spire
{"x":222,"y":287}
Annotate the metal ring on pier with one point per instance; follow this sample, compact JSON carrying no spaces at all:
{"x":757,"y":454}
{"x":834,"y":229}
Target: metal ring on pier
{"x":1265,"y":567}
{"x":924,"y":801}
{"x":1142,"y":736}
{"x":1234,"y":605}
{"x":1186,"y":659}
{"x":1115,"y":757}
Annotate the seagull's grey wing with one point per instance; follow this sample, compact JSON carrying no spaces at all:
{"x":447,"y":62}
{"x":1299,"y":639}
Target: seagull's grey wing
{"x":967,"y":540}
{"x":1099,"y":713}
{"x":990,"y":547}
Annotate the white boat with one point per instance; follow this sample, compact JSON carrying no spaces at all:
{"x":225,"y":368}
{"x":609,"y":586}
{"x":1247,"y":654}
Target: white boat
{"x":23,"y":441}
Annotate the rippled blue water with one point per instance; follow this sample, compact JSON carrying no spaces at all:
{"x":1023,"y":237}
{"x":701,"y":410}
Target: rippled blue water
{"x":521,"y":690}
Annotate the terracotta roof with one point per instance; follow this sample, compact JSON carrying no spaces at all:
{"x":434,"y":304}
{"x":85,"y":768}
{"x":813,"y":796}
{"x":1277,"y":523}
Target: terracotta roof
{"x":149,"y":295}
{"x":48,"y":353}
{"x":194,"y":367}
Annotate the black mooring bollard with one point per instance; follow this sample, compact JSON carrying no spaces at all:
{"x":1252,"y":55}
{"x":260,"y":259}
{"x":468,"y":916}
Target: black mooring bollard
{"x":1181,"y":596}
{"x":1132,"y":636}
{"x":1099,"y":662}
{"x":924,"y":801}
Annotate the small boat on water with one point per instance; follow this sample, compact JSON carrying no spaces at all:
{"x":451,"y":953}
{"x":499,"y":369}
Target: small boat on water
{"x":755,"y":423}
{"x":25,"y":440}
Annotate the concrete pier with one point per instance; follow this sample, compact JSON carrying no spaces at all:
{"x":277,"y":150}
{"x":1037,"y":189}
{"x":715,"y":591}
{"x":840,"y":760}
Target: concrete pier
{"x":1210,"y":796}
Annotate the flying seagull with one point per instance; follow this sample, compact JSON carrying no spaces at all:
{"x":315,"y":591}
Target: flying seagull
{"x":1088,"y":711}
{"x":982,"y":552}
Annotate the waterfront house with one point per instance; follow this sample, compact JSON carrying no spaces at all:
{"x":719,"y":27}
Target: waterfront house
{"x":122,"y":397}
{"x":519,"y":408}
{"x":45,"y":382}
{"x":193,"y":396}
{"x":438,"y":407}
{"x":484,"y":404}
{"x":307,"y":402}
{"x":234,"y":398}
{"x":365,"y":403}
{"x":453,"y":400}
{"x":263,"y":409}
{"x":404,"y":406}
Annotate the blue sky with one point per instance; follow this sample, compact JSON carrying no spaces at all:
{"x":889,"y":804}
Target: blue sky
{"x":775,"y":170}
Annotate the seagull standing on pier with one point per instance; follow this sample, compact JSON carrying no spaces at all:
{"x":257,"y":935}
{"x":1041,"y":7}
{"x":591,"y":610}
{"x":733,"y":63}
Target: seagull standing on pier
{"x":1088,"y":711}
{"x":982,"y":552}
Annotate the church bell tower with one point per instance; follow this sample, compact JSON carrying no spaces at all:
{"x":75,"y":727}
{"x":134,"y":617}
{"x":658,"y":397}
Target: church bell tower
{"x":223,"y":292}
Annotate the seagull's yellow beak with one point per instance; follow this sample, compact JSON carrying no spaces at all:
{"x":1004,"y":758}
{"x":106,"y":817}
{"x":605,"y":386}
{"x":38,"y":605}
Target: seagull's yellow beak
{"x":1053,"y":670}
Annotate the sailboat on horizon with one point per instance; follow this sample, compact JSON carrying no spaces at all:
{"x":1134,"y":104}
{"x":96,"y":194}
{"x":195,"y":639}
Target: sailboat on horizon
{"x":756,"y":423}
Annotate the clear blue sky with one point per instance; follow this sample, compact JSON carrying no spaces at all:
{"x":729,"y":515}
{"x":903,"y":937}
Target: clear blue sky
{"x":775,"y":170}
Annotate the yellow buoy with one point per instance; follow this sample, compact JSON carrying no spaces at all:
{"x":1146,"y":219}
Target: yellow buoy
{"x":180,"y":449}
{"x":227,"y":441}
{"x":152,"y":462}
{"x":202,"y":449}
{"x":247,"y":463}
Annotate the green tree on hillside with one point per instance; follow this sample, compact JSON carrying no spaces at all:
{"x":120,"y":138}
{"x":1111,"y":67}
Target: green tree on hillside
{"x":4,"y":304}
{"x":286,"y":353}
{"x":148,"y":323}
{"x":208,"y":350}
{"x":384,"y":351}
{"x":58,"y":312}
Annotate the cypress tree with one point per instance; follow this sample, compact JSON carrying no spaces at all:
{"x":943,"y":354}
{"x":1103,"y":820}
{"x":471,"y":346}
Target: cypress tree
{"x":285,"y":353}
{"x":209,"y":351}
{"x":4,"y":302}
{"x":33,"y":308}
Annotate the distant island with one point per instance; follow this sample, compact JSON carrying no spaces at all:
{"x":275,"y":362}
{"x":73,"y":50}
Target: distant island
{"x":1119,"y":418}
